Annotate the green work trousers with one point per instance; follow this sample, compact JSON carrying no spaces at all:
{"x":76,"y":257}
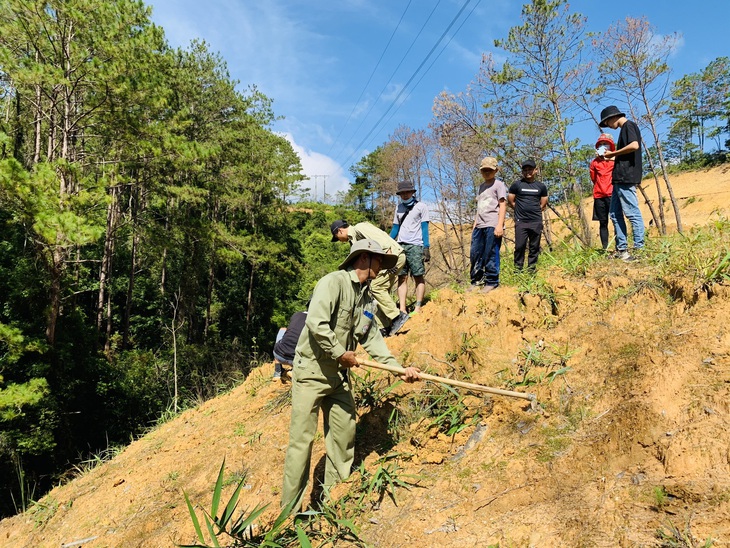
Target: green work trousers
{"x":380,"y":289}
{"x":312,"y":391}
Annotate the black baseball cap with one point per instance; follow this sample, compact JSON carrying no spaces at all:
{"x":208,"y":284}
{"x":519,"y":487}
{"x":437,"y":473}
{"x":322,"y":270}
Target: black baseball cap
{"x":334,"y":227}
{"x":529,"y":163}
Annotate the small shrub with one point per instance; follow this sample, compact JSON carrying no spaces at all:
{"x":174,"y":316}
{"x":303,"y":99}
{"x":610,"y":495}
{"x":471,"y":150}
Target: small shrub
{"x":670,"y":536}
{"x":43,"y":510}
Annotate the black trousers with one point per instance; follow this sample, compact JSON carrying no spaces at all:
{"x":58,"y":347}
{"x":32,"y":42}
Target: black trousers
{"x":527,"y":233}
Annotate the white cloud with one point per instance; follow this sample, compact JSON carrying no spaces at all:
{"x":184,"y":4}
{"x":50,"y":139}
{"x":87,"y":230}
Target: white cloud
{"x":325,"y":174}
{"x":391,"y":92}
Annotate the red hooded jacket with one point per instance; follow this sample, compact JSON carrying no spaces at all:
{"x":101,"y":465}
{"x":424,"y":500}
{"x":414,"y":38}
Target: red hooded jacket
{"x":601,"y":169}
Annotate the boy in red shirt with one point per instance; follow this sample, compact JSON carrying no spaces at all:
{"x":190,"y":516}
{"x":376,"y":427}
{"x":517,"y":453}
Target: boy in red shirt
{"x":601,"y":170}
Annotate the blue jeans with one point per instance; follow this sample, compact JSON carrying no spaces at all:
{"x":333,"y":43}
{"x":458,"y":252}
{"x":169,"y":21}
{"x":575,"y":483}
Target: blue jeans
{"x":484,"y":256}
{"x":625,"y":203}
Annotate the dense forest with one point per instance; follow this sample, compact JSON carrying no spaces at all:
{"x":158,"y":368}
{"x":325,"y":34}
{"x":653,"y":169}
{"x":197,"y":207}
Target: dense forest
{"x":152,"y":230}
{"x":147,"y":248}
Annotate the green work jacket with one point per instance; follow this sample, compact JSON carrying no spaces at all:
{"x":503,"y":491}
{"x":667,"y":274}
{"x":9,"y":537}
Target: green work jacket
{"x":341,"y":316}
{"x":362,"y":231}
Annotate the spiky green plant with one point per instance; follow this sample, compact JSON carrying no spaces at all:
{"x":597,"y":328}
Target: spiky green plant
{"x":387,"y":478}
{"x":238,"y":529}
{"x":372,"y":389}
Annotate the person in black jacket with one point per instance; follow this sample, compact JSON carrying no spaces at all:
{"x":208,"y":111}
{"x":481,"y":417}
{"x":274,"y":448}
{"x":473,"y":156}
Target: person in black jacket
{"x":286,"y":342}
{"x":529,"y":198}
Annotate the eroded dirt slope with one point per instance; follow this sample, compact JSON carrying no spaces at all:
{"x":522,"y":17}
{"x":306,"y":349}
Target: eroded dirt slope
{"x":631,"y":437}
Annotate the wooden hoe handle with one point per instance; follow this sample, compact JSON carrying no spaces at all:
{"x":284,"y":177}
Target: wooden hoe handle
{"x":452,"y":382}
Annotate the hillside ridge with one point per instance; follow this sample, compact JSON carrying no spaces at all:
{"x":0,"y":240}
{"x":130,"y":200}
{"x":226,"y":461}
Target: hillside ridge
{"x":630,"y":437}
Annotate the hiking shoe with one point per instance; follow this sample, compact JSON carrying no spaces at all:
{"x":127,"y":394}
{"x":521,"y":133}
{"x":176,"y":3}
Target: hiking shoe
{"x":626,"y":257}
{"x":398,"y":322}
{"x":488,"y":288}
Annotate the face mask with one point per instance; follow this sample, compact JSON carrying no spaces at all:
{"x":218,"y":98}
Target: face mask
{"x":409,"y":201}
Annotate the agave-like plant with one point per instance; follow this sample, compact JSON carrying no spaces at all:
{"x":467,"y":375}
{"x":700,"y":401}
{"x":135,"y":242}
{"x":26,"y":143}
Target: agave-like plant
{"x":240,"y":529}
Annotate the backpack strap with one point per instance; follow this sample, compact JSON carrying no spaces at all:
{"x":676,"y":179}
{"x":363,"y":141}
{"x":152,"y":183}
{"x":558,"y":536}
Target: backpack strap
{"x":408,"y":210}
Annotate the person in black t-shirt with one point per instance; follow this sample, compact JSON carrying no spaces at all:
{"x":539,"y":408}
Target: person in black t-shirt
{"x":286,"y":342}
{"x":529,"y":198}
{"x":626,"y":175}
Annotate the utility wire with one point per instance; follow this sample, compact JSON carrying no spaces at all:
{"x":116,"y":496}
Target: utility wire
{"x":405,"y":87}
{"x":370,"y":78}
{"x":429,"y":67}
{"x":389,"y":80}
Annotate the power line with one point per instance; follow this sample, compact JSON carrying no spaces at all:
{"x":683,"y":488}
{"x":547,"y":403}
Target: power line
{"x":431,"y":65}
{"x":371,"y":77}
{"x":405,"y":87}
{"x":390,"y":79}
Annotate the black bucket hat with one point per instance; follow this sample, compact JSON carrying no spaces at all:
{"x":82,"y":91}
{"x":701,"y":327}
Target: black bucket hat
{"x":405,"y":186}
{"x":609,"y":112}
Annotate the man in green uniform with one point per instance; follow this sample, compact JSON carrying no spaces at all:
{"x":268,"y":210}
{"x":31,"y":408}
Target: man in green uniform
{"x":340,"y":317}
{"x":389,"y":316}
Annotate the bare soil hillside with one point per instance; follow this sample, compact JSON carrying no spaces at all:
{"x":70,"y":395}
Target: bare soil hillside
{"x":630,"y":440}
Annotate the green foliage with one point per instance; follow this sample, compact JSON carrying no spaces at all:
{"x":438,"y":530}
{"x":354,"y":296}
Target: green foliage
{"x":551,"y":361}
{"x":333,"y":523}
{"x":701,"y":254}
{"x":43,"y":510}
{"x":659,"y":496}
{"x":86,"y":465}
{"x":373,"y":389}
{"x":577,"y":261}
{"x":555,"y":443}
{"x":16,"y":396}
{"x":388,"y":477}
{"x":153,"y":181}
{"x":26,"y":491}
{"x":670,"y":536}
{"x":241,"y":529}
{"x":699,"y":109}
{"x":444,"y":406}
{"x":467,"y":347}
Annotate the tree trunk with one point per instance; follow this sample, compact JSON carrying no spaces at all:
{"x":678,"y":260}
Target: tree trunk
{"x":211,"y":277}
{"x":38,"y":126}
{"x":249,"y":303}
{"x":105,"y":270}
{"x":663,"y":165}
{"x":670,"y":190}
{"x":56,"y":271}
{"x":648,"y":203}
{"x":662,"y":225}
{"x":132,"y":269}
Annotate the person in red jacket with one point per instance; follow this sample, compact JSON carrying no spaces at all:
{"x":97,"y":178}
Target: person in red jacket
{"x":601,"y":171}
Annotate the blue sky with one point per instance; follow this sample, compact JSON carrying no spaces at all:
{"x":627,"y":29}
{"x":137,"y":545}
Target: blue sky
{"x":326,"y":66}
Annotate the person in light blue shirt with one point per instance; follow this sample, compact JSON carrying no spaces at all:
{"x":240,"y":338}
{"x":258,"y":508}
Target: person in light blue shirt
{"x":410,"y":230}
